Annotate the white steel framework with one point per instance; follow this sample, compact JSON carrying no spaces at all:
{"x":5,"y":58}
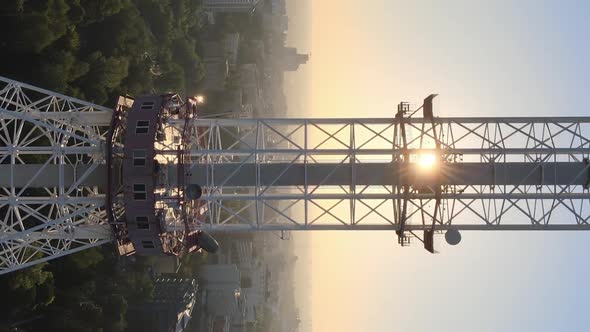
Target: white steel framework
{"x":57,"y":193}
{"x":514,"y":173}
{"x":43,"y":218}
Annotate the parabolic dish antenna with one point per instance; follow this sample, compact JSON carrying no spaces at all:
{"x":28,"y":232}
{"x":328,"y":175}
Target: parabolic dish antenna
{"x":453,"y":237}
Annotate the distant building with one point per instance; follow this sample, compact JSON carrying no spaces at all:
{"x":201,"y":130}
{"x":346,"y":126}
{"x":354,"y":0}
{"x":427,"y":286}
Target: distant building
{"x":171,"y":309}
{"x":278,"y":7}
{"x":225,"y":50}
{"x":231,"y":44}
{"x":276,"y":23}
{"x":221,"y":288}
{"x":219,"y":58}
{"x":216,"y":74}
{"x":162,"y":265}
{"x":249,"y":83}
{"x":230,"y":6}
{"x":253,"y":278}
{"x":289,"y":60}
{"x":274,"y":94}
{"x":232,"y":103}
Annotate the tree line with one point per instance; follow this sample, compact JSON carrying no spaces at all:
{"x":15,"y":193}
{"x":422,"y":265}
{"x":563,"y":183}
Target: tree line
{"x":94,"y":50}
{"x":99,"y":49}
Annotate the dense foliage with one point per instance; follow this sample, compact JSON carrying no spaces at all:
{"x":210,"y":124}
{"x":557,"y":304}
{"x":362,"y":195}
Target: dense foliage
{"x":88,"y":291}
{"x":98,"y":49}
{"x":94,"y":50}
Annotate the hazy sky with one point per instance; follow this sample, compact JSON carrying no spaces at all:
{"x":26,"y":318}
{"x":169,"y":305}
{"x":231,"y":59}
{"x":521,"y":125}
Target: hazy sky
{"x":484,"y":58}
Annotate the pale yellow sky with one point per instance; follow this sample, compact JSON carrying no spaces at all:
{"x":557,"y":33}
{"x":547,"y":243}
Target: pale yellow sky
{"x":494,"y":58}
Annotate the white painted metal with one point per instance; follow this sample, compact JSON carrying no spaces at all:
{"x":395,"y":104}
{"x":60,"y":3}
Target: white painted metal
{"x":49,"y":130}
{"x":348,"y":143}
{"x":55,"y":134}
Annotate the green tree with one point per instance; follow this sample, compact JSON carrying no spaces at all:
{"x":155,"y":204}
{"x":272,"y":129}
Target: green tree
{"x":91,"y":313}
{"x":104,"y":77}
{"x":140,"y":80}
{"x":171,"y":80}
{"x":28,"y":289}
{"x":12,"y":7}
{"x":76,"y":12}
{"x":38,"y":28}
{"x":60,"y":69}
{"x":184,"y":53}
{"x":70,"y":41}
{"x":86,"y":259}
{"x":98,"y":10}
{"x":32,"y":33}
{"x":29,"y":278}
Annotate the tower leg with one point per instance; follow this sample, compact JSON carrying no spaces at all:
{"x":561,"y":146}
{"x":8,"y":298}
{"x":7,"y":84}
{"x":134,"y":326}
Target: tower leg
{"x":51,"y":147}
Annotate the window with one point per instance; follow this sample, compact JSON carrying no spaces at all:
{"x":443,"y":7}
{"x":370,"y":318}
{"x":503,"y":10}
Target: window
{"x":139,"y":192}
{"x":147,"y":244}
{"x":138,"y":158}
{"x":147,"y":106}
{"x":142,"y":126}
{"x":176,"y":139}
{"x":142,"y":222}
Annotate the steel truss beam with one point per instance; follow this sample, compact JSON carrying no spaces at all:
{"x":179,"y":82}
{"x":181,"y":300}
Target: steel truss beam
{"x":49,"y":211}
{"x":289,"y":174}
{"x":270,"y":151}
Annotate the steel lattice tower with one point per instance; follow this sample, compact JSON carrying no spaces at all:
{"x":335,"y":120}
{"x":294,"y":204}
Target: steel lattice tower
{"x":65,"y":185}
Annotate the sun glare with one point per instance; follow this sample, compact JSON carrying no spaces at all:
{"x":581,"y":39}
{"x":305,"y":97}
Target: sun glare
{"x":200,"y":99}
{"x":426,"y":160}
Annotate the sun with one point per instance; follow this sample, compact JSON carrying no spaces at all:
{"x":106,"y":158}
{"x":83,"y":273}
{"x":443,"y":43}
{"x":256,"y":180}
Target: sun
{"x":426,"y":160}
